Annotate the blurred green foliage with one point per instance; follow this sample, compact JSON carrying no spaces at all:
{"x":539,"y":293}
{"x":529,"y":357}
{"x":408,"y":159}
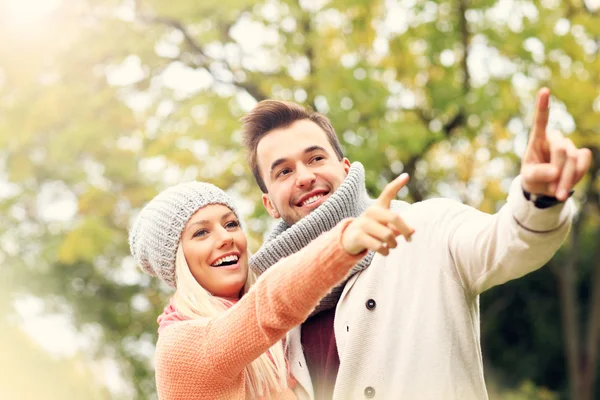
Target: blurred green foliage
{"x":103,"y":103}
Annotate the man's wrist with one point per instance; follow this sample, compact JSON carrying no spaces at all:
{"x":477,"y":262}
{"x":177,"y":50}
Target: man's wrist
{"x":542,"y":201}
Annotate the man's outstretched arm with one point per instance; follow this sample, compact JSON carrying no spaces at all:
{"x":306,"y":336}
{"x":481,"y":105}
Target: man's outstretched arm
{"x":488,"y":250}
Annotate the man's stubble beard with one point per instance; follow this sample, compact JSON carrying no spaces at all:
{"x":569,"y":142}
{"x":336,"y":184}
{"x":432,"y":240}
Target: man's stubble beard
{"x":290,"y":220}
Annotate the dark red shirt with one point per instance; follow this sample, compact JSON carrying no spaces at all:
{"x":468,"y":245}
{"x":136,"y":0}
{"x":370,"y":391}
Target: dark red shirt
{"x":318,"y":342}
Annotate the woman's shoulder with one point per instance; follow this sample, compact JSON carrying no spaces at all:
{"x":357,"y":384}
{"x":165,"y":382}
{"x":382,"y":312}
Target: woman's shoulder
{"x":180,"y":330}
{"x":182,"y":341}
{"x":185,"y":360}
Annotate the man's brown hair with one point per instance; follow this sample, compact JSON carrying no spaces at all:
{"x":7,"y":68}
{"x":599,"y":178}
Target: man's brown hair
{"x":274,"y":114}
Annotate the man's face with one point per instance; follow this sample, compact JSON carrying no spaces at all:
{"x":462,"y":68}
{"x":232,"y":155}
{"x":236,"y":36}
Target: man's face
{"x":299,"y":168}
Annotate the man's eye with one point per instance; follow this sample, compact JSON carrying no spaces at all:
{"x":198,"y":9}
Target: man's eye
{"x":318,"y":158}
{"x":283,"y":172}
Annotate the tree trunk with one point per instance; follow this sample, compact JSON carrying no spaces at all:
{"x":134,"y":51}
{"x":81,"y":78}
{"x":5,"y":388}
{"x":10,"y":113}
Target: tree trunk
{"x":581,"y":352}
{"x":567,"y":288}
{"x":590,"y":356}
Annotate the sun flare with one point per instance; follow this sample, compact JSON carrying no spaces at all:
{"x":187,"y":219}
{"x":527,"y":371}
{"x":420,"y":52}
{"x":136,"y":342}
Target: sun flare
{"x":27,"y":14}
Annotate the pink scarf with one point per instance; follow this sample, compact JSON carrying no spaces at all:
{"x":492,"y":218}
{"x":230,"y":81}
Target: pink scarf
{"x":169,"y":316}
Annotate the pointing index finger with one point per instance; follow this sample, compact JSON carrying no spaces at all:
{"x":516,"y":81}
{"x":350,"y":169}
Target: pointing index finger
{"x":540,"y":119}
{"x":391,"y":190}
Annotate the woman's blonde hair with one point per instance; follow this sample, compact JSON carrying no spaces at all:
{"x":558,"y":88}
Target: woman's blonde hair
{"x":265,"y":375}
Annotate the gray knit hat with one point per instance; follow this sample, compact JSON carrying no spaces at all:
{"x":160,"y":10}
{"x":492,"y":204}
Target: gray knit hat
{"x":156,"y":232}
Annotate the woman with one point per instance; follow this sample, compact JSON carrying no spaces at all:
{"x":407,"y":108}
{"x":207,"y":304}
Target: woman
{"x":217,"y":338}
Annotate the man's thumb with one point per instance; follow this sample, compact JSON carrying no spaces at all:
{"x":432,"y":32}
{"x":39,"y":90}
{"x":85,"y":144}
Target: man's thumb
{"x":391,"y":190}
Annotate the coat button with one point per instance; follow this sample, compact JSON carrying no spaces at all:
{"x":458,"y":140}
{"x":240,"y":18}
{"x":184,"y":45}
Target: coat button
{"x":371,"y":304}
{"x":369,"y":392}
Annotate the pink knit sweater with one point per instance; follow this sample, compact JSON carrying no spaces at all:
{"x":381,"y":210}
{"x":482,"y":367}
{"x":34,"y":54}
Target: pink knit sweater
{"x":206,"y":358}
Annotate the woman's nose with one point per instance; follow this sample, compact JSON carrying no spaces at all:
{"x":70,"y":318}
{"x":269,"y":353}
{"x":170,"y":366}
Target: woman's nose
{"x":225,"y":239}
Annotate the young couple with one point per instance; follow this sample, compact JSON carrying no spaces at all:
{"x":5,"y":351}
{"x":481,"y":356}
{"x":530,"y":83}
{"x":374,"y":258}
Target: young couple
{"x":388,"y":317}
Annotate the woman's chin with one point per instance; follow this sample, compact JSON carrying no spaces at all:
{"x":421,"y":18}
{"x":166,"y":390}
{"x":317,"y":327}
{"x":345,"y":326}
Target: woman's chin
{"x":235,"y":289}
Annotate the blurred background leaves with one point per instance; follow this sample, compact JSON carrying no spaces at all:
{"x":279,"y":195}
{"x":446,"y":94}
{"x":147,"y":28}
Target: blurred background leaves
{"x":103,"y":103}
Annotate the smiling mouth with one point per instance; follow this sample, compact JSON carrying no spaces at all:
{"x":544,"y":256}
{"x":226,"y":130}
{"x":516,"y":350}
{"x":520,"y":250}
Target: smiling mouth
{"x":312,"y":199}
{"x":226,"y":261}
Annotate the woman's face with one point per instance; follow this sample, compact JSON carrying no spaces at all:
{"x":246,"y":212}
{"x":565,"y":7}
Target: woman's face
{"x":215,"y":249}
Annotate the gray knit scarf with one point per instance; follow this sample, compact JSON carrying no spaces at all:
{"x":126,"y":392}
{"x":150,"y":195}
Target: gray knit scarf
{"x":349,"y":200}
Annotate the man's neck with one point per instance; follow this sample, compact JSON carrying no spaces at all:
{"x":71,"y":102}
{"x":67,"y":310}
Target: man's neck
{"x":348,"y":201}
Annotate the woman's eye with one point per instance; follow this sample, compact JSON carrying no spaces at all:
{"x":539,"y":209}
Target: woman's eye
{"x":232,"y":224}
{"x":200,"y":233}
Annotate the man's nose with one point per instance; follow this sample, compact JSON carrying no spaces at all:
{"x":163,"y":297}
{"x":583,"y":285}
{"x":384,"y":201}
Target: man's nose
{"x":304,"y":176}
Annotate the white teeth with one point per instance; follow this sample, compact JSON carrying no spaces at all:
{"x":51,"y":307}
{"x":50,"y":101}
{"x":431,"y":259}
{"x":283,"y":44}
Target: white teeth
{"x":312,"y":199}
{"x":225,"y":259}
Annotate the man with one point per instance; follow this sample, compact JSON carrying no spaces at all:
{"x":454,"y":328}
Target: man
{"x":408,"y":325}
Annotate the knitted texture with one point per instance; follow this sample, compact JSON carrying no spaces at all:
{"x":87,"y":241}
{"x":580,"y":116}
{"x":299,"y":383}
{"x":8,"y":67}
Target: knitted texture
{"x":349,"y":200}
{"x":156,"y":232}
{"x":206,"y":358}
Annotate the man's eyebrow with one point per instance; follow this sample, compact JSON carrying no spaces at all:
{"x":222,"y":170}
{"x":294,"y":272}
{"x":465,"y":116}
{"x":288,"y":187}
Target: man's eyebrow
{"x":276,"y":163}
{"x":314,"y":148}
{"x":307,"y":150}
